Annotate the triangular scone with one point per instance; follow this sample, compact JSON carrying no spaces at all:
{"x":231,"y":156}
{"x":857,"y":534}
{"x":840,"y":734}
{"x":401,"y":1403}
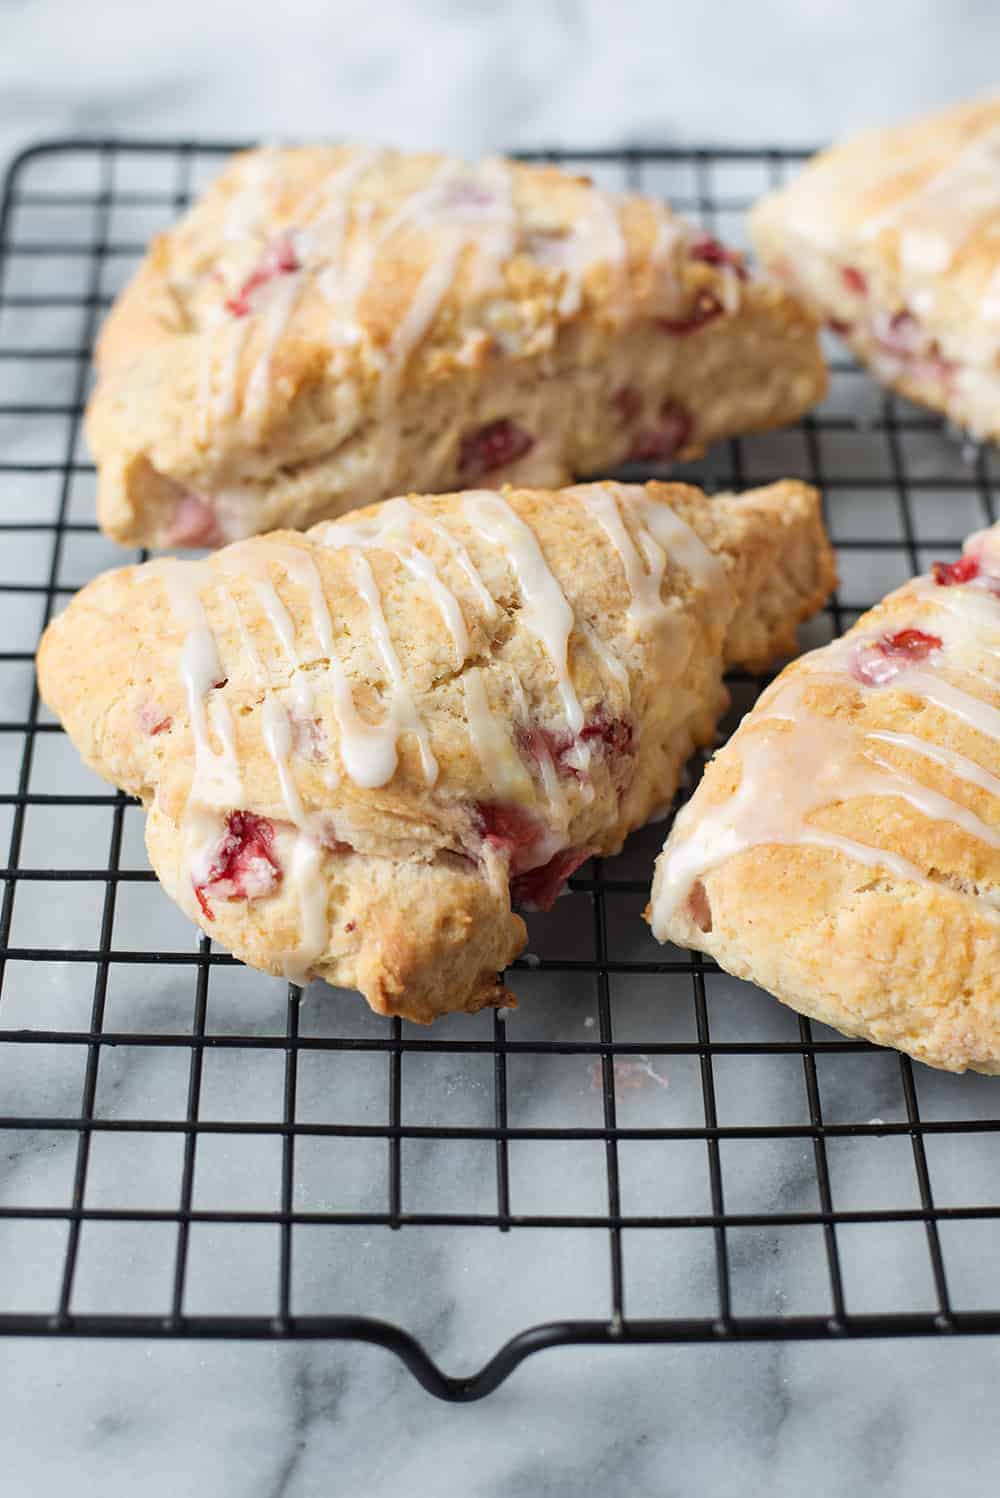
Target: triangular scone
{"x":358,"y":744}
{"x":843,"y":849}
{"x":333,"y":325}
{"x":894,"y":240}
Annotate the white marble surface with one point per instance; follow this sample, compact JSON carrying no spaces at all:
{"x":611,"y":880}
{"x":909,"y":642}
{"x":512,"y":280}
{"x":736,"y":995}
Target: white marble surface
{"x":103,"y":1420}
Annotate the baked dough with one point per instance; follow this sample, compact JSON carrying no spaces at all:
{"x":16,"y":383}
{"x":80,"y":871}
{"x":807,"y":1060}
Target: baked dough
{"x":358,"y":744}
{"x":330,"y":326}
{"x":843,"y":849}
{"x":894,"y":240}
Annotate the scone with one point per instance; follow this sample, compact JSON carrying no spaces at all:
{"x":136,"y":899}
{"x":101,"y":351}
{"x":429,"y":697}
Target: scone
{"x":894,"y":240}
{"x":843,"y":849}
{"x":359,"y":745}
{"x":333,"y":325}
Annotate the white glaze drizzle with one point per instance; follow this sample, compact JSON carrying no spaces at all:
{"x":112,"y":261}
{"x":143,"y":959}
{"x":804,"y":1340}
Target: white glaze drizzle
{"x":368,"y":750}
{"x":494,"y":748}
{"x":247,"y":206}
{"x":823,"y":761}
{"x":402,"y":710}
{"x":937,"y":218}
{"x":216,"y":785}
{"x":283,"y":295}
{"x":223,"y":401}
{"x":391,"y":530}
{"x":956,"y":764}
{"x":614,"y":667}
{"x":643,"y":574}
{"x":595,"y":236}
{"x":661,"y":533}
{"x":545,"y":611}
{"x":325,"y":238}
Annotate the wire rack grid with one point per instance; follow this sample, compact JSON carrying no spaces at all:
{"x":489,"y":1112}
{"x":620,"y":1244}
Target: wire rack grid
{"x":646,"y":1151}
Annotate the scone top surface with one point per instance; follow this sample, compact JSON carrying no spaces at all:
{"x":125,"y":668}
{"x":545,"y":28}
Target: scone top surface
{"x":333,"y":324}
{"x":351,"y":741}
{"x":843,"y":849}
{"x":894,"y":238}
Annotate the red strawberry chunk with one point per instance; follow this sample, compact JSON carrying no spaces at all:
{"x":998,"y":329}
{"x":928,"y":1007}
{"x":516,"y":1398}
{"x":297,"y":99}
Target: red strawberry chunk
{"x":628,"y":403}
{"x":244,"y":866}
{"x":713,"y":252}
{"x":539,"y":888}
{"x":613,"y":736}
{"x":883,"y":659}
{"x":706,"y":308}
{"x":947,"y":574}
{"x":671,"y":434}
{"x":854,"y":279}
{"x":487,"y":448}
{"x":511,"y":830}
{"x":279,"y":259}
{"x":544,"y":743}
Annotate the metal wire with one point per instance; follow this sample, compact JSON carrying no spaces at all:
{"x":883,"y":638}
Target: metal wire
{"x":81,"y":183}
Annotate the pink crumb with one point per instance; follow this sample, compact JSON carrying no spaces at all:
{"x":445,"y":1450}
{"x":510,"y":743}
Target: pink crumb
{"x":154,"y":718}
{"x":193,"y":523}
{"x":279,"y":259}
{"x":667,"y":438}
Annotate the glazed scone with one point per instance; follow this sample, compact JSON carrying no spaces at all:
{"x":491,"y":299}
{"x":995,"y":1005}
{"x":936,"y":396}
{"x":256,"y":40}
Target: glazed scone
{"x":894,"y":240}
{"x":843,"y":849}
{"x":358,"y":745}
{"x":330,"y":326}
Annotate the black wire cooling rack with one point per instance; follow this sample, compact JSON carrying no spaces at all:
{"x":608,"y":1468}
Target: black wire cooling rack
{"x":647,"y":1151}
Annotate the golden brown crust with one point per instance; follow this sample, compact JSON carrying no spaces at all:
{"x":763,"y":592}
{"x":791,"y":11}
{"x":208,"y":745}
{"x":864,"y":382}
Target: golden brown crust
{"x":395,"y":317}
{"x":893,"y":238}
{"x":210,"y":690}
{"x":843,"y":849}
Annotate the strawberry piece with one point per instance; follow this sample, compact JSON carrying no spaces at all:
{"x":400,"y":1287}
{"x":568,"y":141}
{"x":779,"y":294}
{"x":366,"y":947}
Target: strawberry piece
{"x":614,"y":733}
{"x":901,"y":335}
{"x":948,"y":574}
{"x":154,"y":719}
{"x":883,"y":659}
{"x":854,"y":279}
{"x":713,"y":252}
{"x":511,"y":830}
{"x":193,"y":523}
{"x":628,"y":403}
{"x":664,"y":441}
{"x":487,"y":448}
{"x":539,"y":888}
{"x":244,"y":866}
{"x":279,"y":259}
{"x":600,"y":731}
{"x":544,"y":743}
{"x":706,"y":308}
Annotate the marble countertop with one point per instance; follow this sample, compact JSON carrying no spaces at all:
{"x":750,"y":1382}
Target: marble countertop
{"x":109,"y":1419}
